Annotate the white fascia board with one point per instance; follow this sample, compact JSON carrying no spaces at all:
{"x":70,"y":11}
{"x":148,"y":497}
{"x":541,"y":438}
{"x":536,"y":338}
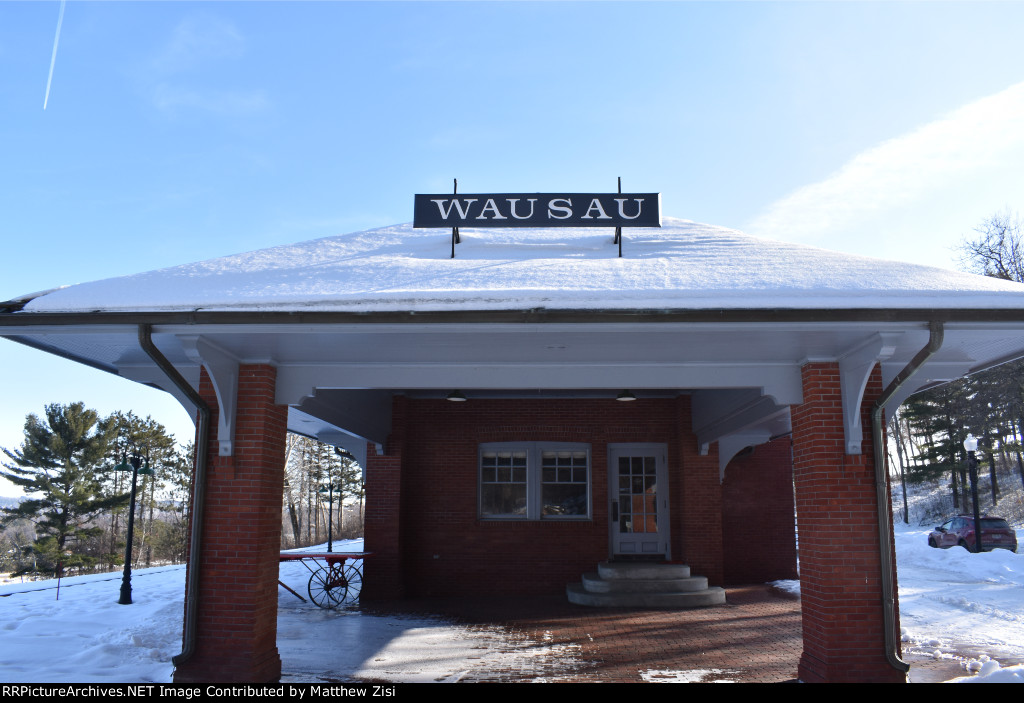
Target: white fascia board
{"x":781,"y":381}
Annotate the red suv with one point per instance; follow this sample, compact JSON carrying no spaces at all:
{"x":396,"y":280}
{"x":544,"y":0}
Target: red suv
{"x":959,"y":531}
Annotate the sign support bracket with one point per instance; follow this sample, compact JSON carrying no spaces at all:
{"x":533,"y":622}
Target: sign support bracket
{"x":455,"y":230}
{"x":618,"y":230}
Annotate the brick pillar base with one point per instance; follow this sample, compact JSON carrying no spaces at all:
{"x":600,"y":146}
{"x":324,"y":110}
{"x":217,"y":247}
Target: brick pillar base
{"x":840,"y":562}
{"x":241,"y":541}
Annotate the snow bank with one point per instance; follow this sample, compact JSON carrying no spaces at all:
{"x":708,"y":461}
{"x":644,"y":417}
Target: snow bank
{"x":954,"y":604}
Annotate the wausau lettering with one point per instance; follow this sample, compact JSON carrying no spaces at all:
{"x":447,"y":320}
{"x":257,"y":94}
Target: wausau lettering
{"x":538,"y":210}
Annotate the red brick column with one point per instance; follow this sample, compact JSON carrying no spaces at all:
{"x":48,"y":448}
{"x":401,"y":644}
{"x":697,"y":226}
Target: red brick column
{"x":241,"y":540}
{"x":840,"y":584}
{"x":384,"y":573}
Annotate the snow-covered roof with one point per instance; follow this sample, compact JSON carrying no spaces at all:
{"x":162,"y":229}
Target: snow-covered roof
{"x":681,"y":266}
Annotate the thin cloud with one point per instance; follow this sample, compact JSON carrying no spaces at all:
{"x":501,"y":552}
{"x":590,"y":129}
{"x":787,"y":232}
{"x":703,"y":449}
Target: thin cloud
{"x":172,"y":98}
{"x":902,"y":170}
{"x":196,"y":40}
{"x":186,"y":73}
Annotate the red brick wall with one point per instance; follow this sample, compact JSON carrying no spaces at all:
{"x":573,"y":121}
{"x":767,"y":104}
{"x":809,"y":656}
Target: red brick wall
{"x":442,"y":547}
{"x":758,"y":523}
{"x":696,"y":502}
{"x":838,"y":531}
{"x":237,"y":599}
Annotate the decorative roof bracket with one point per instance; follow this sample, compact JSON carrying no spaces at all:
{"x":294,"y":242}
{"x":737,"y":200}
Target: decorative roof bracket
{"x":222,"y":367}
{"x":855,"y":368}
{"x":731,"y":445}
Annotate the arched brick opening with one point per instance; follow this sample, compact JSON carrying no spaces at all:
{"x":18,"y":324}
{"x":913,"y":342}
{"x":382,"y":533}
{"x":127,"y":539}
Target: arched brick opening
{"x":758,"y":516}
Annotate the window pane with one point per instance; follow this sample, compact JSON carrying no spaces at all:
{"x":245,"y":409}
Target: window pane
{"x":503,"y":483}
{"x":564,"y":500}
{"x":564,"y":480}
{"x":503,"y":499}
{"x":505,"y":474}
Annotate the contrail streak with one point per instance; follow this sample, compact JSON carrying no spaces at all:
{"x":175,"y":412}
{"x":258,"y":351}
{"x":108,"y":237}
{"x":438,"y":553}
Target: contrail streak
{"x":53,"y":59}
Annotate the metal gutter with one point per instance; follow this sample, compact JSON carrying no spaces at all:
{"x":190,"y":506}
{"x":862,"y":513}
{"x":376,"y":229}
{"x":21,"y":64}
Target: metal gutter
{"x":935,"y":338}
{"x":538,"y":315}
{"x":198,"y":490}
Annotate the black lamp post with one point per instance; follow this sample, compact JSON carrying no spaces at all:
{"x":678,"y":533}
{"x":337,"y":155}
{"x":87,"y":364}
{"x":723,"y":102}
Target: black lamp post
{"x":134,"y":463}
{"x":329,"y":489}
{"x":971,"y":445}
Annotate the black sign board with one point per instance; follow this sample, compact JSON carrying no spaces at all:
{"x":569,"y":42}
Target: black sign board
{"x":538,"y":210}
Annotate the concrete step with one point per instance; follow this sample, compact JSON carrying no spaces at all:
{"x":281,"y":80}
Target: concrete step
{"x":594,"y":583}
{"x":693,"y":599}
{"x":634,"y":584}
{"x":642,"y":571}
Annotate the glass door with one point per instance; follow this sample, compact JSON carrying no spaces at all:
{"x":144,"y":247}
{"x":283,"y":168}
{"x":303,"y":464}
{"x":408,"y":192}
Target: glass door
{"x":639,"y":499}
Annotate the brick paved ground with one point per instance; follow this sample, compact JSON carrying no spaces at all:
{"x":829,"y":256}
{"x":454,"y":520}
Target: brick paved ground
{"x":755,"y":637}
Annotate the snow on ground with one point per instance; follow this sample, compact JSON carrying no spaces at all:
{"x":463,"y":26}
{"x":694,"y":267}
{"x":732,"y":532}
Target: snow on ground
{"x":691,"y":676}
{"x":398,"y":648}
{"x":953,"y":605}
{"x":86,"y":637}
{"x":957,"y":604}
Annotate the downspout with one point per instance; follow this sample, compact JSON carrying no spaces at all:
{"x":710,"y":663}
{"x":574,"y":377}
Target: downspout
{"x":188,"y":645}
{"x":936,"y":333}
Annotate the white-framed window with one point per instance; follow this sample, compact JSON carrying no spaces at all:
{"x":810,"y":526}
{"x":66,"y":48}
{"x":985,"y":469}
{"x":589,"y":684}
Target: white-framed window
{"x":534,"y":480}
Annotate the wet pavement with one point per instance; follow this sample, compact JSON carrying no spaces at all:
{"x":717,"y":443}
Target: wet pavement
{"x":754,"y":638}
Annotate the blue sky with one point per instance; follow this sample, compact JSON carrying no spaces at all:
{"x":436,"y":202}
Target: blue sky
{"x":176,"y":132}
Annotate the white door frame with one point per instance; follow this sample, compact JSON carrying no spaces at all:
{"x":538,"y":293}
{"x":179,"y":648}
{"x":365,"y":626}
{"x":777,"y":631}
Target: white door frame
{"x":639,"y":543}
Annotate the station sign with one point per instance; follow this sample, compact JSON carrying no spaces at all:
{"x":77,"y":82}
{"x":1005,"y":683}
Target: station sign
{"x":538,"y":210}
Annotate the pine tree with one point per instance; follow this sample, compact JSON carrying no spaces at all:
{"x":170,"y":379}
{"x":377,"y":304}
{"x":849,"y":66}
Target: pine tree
{"x":351,"y":479}
{"x":175,"y":481}
{"x":310,"y":467}
{"x":57,"y":468}
{"x":997,"y":251}
{"x":171,"y":472}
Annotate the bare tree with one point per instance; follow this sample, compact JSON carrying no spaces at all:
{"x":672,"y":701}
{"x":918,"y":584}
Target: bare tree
{"x":998,"y":250}
{"x":896,"y":432}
